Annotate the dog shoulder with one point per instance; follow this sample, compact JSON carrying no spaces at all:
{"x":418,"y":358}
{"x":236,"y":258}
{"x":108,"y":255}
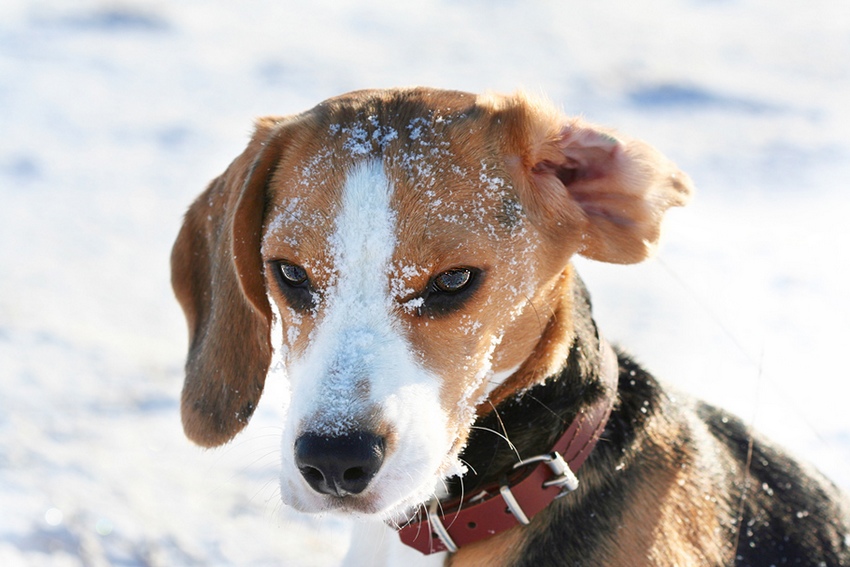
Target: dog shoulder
{"x":785,"y":508}
{"x":672,"y":484}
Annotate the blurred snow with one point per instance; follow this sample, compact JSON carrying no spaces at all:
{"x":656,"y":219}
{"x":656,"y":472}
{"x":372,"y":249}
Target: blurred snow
{"x":114,"y":116}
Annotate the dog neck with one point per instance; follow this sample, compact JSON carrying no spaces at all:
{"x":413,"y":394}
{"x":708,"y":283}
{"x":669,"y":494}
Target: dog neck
{"x":529,"y":421}
{"x":561,"y":416}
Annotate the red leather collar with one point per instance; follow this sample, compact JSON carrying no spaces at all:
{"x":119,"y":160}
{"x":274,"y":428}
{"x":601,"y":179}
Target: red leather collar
{"x":533,"y":484}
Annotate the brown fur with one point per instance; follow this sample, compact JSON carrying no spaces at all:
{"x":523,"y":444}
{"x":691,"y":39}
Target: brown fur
{"x":501,"y":549}
{"x":549,"y":353}
{"x":674,"y":515}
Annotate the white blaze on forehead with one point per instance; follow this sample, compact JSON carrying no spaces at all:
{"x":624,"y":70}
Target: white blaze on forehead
{"x":364,"y":240}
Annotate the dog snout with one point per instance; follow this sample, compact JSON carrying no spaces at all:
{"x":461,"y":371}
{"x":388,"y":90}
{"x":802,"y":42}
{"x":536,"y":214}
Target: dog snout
{"x":339,"y":465}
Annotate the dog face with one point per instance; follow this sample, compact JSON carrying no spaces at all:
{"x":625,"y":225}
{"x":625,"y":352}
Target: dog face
{"x":414,"y":246}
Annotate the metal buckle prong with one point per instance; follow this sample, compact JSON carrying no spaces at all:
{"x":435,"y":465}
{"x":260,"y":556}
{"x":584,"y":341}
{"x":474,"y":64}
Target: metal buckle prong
{"x":439,"y":528}
{"x":513,"y":505}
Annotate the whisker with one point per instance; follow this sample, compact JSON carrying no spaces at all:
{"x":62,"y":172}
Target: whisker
{"x":505,"y":431}
{"x":545,"y":407}
{"x":503,"y":436}
{"x":749,"y":462}
{"x":470,"y":467}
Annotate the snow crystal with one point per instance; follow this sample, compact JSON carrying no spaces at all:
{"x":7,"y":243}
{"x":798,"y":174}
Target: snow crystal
{"x":360,"y":143}
{"x":413,"y":305}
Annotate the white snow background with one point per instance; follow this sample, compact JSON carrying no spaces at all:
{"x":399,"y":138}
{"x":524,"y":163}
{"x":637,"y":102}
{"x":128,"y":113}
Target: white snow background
{"x":114,"y":116}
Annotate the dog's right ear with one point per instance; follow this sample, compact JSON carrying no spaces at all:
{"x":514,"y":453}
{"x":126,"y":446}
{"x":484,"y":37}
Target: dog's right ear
{"x":615,"y":190}
{"x":217,"y":276}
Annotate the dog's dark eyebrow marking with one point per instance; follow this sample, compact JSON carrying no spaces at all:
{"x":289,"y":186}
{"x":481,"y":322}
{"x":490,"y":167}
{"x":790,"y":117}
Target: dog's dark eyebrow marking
{"x":511,"y":213}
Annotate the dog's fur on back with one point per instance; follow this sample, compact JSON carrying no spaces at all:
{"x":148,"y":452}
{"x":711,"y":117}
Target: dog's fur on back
{"x":414,"y":245}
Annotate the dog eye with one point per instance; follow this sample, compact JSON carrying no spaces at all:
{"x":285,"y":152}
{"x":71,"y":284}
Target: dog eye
{"x":452,"y":281}
{"x":292,"y":274}
{"x":449,"y":291}
{"x":294,"y":284}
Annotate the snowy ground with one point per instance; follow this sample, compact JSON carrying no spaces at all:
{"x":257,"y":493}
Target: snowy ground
{"x":113,"y":116}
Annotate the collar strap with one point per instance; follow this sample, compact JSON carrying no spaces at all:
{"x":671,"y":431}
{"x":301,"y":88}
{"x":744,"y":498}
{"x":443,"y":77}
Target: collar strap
{"x":527,"y":489}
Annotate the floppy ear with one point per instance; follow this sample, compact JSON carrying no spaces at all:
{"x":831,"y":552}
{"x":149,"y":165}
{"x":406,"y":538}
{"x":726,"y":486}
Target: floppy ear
{"x":614,"y":190}
{"x":217,"y":276}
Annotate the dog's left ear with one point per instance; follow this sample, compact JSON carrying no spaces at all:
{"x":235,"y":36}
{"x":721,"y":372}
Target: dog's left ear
{"x":609,"y":191}
{"x":217,"y":276}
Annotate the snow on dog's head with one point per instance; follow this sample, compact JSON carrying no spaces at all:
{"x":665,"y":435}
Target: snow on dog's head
{"x":413,"y":244}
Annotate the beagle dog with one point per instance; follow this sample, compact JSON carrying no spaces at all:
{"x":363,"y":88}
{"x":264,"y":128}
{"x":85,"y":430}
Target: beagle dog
{"x":406,"y":254}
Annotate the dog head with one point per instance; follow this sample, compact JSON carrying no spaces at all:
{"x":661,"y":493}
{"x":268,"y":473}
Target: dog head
{"x":414,"y":246}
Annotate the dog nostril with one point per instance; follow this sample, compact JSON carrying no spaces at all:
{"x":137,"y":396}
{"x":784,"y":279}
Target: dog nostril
{"x":340,"y":465}
{"x":312,"y":474}
{"x":354,"y":474}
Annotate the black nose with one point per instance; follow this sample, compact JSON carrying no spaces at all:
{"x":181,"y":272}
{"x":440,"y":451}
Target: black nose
{"x":340,"y":465}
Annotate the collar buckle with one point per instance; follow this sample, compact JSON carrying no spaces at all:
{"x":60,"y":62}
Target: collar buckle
{"x":563,"y":476}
